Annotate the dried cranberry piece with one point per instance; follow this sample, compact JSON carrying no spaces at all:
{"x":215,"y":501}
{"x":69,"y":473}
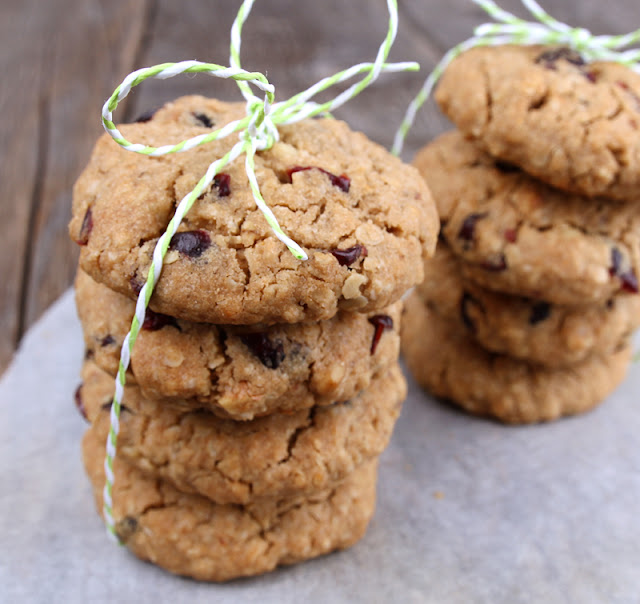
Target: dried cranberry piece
{"x":539,"y":312}
{"x":380,"y":323}
{"x":549,"y":58}
{"x":85,"y":229}
{"x":204,"y":119}
{"x":466,"y":301}
{"x":190,"y":243}
{"x":628,"y":278}
{"x":270,"y":353}
{"x":222,"y":182}
{"x":77,"y":397}
{"x":107,"y":340}
{"x":616,"y":261}
{"x":505,"y":167}
{"x":145,"y":116}
{"x":630,"y":92}
{"x":343,"y":182}
{"x":592,"y":76}
{"x":350,"y":255}
{"x":468,"y":227}
{"x":496,"y":264}
{"x":511,"y":235}
{"x":136,"y":285}
{"x":153,"y":321}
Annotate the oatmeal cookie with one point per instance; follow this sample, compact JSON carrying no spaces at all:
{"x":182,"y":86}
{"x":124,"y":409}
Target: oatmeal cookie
{"x":532,"y":330}
{"x":521,"y":237}
{"x":279,"y":455}
{"x":365,"y":219}
{"x":190,"y":535}
{"x":236,"y":371}
{"x":450,"y":364}
{"x":571,"y":124}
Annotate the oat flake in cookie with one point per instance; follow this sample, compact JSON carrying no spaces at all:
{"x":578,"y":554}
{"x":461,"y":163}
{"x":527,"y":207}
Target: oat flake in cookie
{"x":365,"y":219}
{"x":519,"y":236}
{"x":573,"y":125}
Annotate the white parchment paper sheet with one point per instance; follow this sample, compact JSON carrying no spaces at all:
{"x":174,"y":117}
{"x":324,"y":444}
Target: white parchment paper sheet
{"x":468,"y":510}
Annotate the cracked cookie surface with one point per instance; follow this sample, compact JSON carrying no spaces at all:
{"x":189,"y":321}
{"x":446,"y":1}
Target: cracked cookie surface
{"x":533,"y":330}
{"x":232,"y":371}
{"x":277,"y":455}
{"x":450,"y":364}
{"x":365,"y":219}
{"x":520,"y":236}
{"x":190,"y":535}
{"x":574,"y":125}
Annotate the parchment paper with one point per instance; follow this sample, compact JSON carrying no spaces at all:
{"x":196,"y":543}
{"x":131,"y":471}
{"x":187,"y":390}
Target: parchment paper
{"x":468,"y":510}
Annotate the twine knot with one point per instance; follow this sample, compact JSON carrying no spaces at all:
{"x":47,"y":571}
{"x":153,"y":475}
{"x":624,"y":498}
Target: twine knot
{"x":582,"y":38}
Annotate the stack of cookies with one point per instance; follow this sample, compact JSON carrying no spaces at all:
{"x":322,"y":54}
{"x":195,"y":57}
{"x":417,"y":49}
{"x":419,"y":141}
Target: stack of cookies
{"x":526,"y":313}
{"x":262,"y":389}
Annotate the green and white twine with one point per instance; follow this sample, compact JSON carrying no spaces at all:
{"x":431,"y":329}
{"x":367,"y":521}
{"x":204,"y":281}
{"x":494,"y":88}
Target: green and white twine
{"x":258,"y":131}
{"x":510,"y":29}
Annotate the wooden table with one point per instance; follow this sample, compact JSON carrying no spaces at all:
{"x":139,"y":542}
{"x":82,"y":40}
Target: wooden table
{"x":61,"y":58}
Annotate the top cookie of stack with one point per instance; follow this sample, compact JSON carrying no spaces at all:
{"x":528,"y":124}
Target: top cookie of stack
{"x":366,"y":236}
{"x":572,"y":124}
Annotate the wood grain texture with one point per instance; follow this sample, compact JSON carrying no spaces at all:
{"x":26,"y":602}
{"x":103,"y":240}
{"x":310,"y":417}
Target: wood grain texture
{"x":60,"y":70}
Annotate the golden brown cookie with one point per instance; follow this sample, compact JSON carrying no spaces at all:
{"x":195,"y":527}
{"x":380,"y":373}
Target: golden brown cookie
{"x":574,"y":125}
{"x":239,"y":372}
{"x":190,"y":535}
{"x":365,"y":219}
{"x":450,"y":364}
{"x":532,"y":330}
{"x":521,"y":237}
{"x":279,"y":455}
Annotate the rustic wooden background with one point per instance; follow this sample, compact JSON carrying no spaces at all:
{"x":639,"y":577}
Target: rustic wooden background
{"x":60,"y":59}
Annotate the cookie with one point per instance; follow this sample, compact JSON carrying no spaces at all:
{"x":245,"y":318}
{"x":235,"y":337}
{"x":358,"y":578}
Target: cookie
{"x":190,"y":535}
{"x":450,"y":364}
{"x":235,"y":372}
{"x":521,"y":237}
{"x":532,"y":330}
{"x":571,"y":124}
{"x":279,"y":455}
{"x":365,"y":219}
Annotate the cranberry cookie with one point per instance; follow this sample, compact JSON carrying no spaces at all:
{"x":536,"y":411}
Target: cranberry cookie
{"x":239,"y":372}
{"x":449,"y":363}
{"x":522,"y":237}
{"x":279,"y":455}
{"x":190,"y":535}
{"x":573,"y":125}
{"x":532,"y":330}
{"x":365,"y":219}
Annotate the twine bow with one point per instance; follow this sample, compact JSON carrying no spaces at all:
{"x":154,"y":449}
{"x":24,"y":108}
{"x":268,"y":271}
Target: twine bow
{"x":513,"y":30}
{"x":257,"y":131}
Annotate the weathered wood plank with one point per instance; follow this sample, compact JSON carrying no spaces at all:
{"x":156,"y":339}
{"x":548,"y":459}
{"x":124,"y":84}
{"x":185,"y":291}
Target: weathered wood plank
{"x":57,"y":72}
{"x":86,"y":61}
{"x":23,"y":66}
